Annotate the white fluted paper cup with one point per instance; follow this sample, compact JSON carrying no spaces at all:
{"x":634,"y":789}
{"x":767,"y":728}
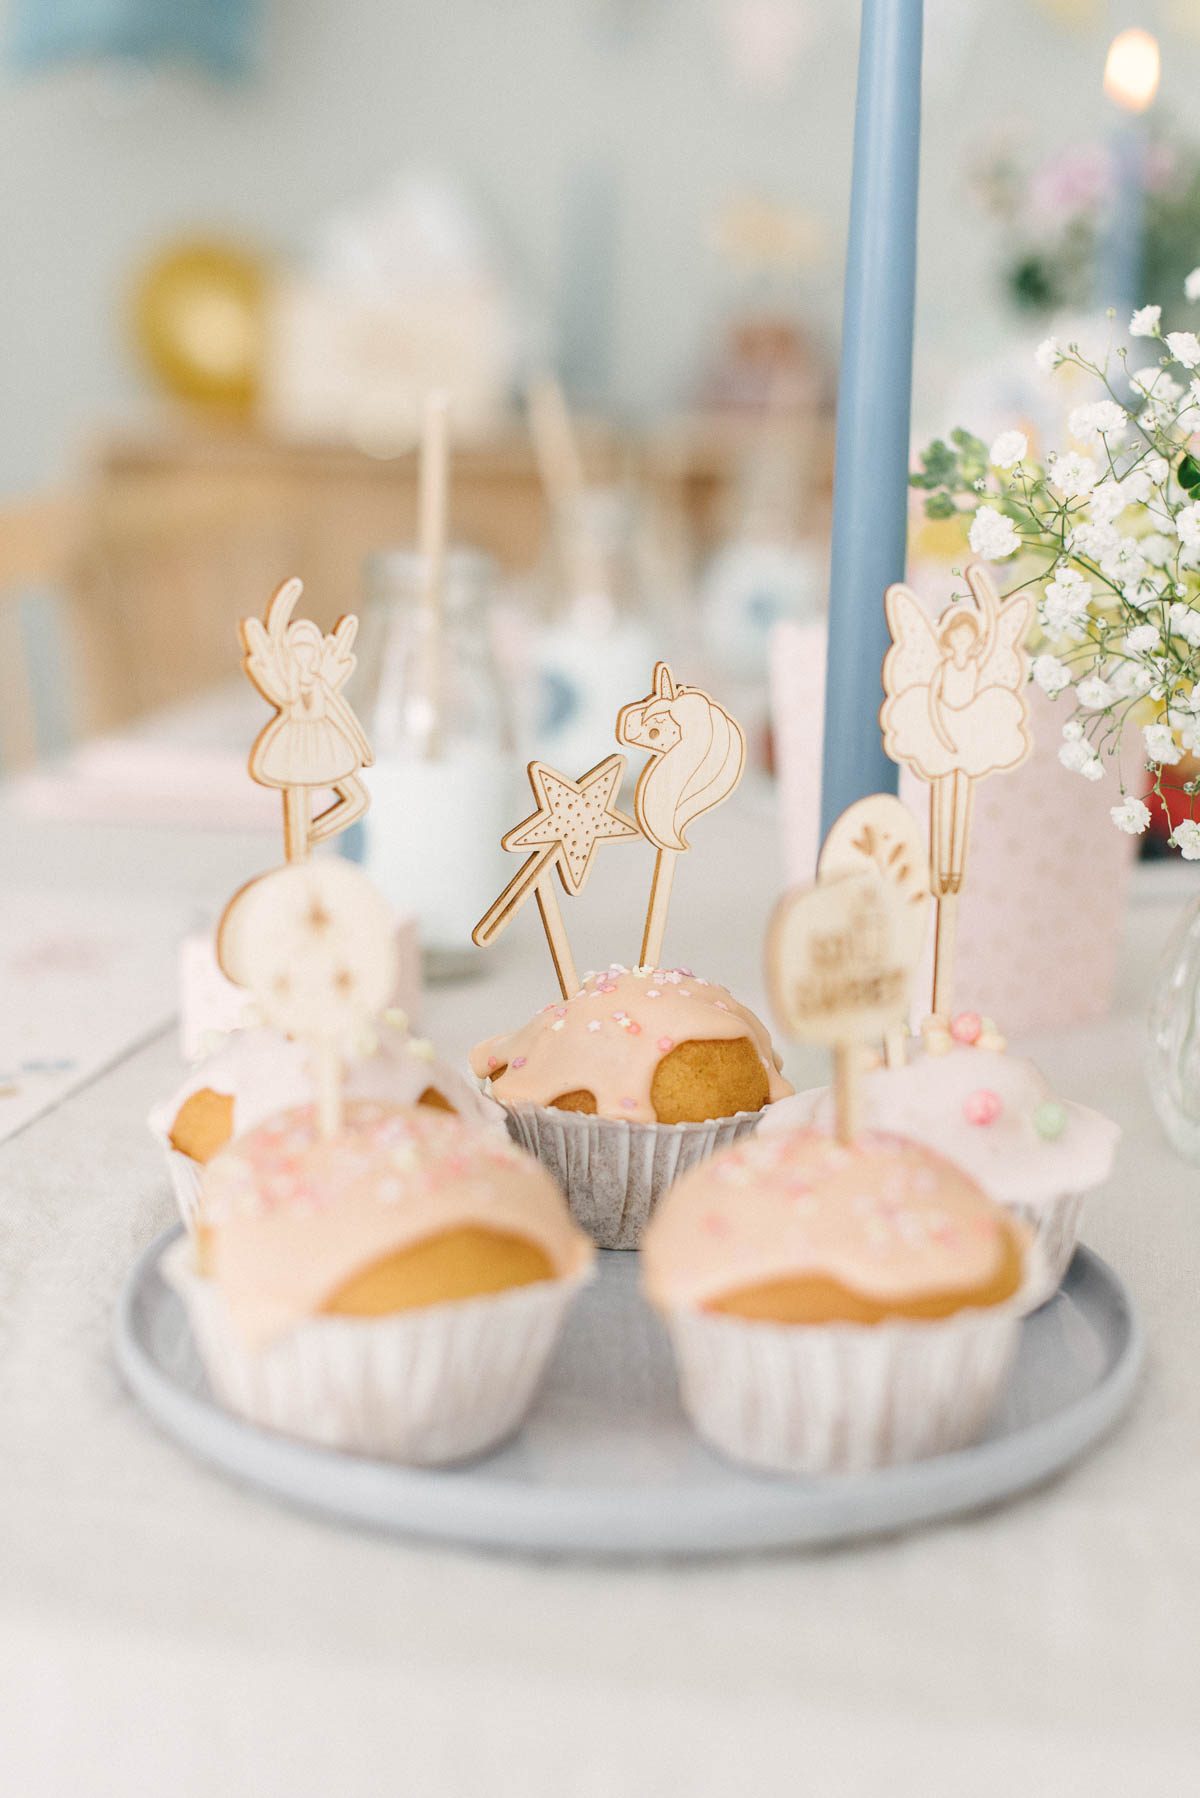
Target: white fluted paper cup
{"x":1053,"y":1225}
{"x":185,"y":1176}
{"x":842,"y":1397}
{"x":612,"y":1171}
{"x":425,"y":1387}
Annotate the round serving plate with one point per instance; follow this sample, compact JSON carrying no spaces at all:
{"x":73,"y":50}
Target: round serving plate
{"x":606,"y":1463}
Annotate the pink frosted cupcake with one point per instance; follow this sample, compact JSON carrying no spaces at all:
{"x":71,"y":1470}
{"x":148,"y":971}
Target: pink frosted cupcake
{"x":395,"y":1290}
{"x":835,"y":1308}
{"x":255,"y":1073}
{"x":638,"y":1076}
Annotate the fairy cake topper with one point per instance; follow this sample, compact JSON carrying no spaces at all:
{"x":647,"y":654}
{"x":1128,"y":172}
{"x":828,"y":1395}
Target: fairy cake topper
{"x":840,"y":960}
{"x":573,"y":818}
{"x":696,"y":756}
{"x":955,"y":711}
{"x":315,"y":943}
{"x":314,"y":741}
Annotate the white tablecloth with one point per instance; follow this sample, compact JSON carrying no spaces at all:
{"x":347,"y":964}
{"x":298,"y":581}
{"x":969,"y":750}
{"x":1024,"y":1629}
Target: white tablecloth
{"x":165,"y":1633}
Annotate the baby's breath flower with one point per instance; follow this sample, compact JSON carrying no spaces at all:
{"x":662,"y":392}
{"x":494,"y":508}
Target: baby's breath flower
{"x":1187,"y":523}
{"x":1186,"y":838}
{"x":1185,"y":622}
{"x":1102,"y":418}
{"x":1145,"y":321}
{"x":1132,"y":816}
{"x":1095,"y":693}
{"x":1184,"y":347}
{"x":1191,"y":286}
{"x":1141,"y":638}
{"x":1051,"y":675}
{"x":1161,"y":746}
{"x":992,"y":535}
{"x":1009,"y":448}
{"x":1073,"y":475}
{"x":1048,"y":355}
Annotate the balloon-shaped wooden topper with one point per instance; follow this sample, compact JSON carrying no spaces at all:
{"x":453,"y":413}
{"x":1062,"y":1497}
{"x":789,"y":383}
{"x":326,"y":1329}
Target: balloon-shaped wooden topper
{"x":955,"y":711}
{"x":316,"y":945}
{"x":314,"y":741}
{"x":573,"y":818}
{"x":697,"y":754}
{"x":840,"y":959}
{"x":880,"y":834}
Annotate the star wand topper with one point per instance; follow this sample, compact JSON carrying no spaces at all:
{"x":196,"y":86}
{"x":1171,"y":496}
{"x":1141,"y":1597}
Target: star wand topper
{"x":572,"y":819}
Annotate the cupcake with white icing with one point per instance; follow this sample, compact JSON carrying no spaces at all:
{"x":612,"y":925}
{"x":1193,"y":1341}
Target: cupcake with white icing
{"x":995,"y":1116}
{"x":254,"y":1073}
{"x":638,"y":1075}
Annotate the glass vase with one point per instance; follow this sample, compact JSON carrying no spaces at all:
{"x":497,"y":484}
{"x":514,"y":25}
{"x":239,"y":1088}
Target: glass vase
{"x":1173,"y":1047}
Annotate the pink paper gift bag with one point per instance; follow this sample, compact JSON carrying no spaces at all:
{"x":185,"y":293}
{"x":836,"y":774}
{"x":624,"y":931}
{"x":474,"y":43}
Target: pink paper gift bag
{"x":1040,"y":918}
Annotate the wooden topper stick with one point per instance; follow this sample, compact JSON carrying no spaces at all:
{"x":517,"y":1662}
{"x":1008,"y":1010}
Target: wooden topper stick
{"x":314,"y":740}
{"x":696,"y":756}
{"x":880,"y":833}
{"x":572,"y":819}
{"x":839,"y":965}
{"x":315,"y":943}
{"x":955,"y":710}
{"x":432,"y":506}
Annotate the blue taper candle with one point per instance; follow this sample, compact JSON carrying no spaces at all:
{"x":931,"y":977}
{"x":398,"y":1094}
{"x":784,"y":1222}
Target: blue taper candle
{"x":870,"y":505}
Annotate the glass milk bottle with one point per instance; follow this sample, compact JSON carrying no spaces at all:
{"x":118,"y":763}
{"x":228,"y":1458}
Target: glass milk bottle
{"x":596,"y":649}
{"x":442,"y":787}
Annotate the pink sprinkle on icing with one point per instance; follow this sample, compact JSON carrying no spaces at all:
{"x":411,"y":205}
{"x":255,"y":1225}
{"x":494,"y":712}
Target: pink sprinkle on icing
{"x":518,"y":1061}
{"x":967,"y":1027}
{"x":982,"y":1107}
{"x":493,"y":1061}
{"x":665,"y":1043}
{"x":629,"y":1104}
{"x":633,"y":1029}
{"x":715,"y":1224}
{"x":720,"y":1005}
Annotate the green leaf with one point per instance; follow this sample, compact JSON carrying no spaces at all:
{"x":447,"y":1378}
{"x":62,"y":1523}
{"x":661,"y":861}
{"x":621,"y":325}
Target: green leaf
{"x":1188,"y":474}
{"x":939,"y":466}
{"x":940,"y":505}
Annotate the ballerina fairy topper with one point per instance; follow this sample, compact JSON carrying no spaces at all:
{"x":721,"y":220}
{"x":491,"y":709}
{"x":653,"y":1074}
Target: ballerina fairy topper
{"x":314,"y":741}
{"x":696,"y":756}
{"x":955,"y":711}
{"x":573,"y":818}
{"x":315,"y":943}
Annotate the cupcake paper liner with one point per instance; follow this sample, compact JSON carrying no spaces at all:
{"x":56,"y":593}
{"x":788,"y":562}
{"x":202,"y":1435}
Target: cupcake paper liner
{"x":1054,"y":1227}
{"x":425,"y":1387}
{"x":842,"y":1398}
{"x":613,"y":1172}
{"x":185,"y":1176}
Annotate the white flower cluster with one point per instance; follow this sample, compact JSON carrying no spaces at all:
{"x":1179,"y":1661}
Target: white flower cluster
{"x":1107,"y":532}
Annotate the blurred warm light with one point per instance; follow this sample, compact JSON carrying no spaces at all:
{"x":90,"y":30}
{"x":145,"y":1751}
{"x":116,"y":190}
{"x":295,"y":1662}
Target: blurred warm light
{"x":1132,"y":70}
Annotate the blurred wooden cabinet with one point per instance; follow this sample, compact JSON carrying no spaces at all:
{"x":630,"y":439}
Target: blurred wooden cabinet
{"x":182,"y":536}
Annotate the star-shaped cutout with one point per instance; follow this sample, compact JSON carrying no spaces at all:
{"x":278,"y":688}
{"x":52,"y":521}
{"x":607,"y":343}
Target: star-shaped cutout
{"x":573,"y":815}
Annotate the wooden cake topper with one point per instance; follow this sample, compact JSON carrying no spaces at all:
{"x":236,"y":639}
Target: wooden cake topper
{"x":879,"y":833}
{"x":314,"y":741}
{"x":840,"y":961}
{"x":572,"y":818}
{"x":316,"y":945}
{"x":697,"y":754}
{"x":955,"y":711}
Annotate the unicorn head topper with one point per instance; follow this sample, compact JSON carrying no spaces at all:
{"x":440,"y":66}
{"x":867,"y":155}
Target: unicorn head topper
{"x":696,"y":756}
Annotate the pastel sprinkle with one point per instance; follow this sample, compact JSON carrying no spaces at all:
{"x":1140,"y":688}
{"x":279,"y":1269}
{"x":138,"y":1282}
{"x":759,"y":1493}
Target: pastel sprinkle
{"x":1050,"y":1120}
{"x":652,"y":992}
{"x":666,"y":1043}
{"x":982,"y":1107}
{"x":633,"y":1029}
{"x":518,"y":1061}
{"x":558,"y":1024}
{"x":715,"y":1224}
{"x":493,"y":1061}
{"x":594,"y":1024}
{"x":967,"y":1027}
{"x":629,"y":1104}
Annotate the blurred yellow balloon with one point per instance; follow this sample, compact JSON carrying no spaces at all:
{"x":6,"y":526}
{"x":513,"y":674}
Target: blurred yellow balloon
{"x":198,"y":317}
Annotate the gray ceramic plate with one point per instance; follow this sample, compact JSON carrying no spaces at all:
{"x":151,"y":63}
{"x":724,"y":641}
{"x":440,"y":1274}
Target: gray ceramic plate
{"x":606,"y":1463}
